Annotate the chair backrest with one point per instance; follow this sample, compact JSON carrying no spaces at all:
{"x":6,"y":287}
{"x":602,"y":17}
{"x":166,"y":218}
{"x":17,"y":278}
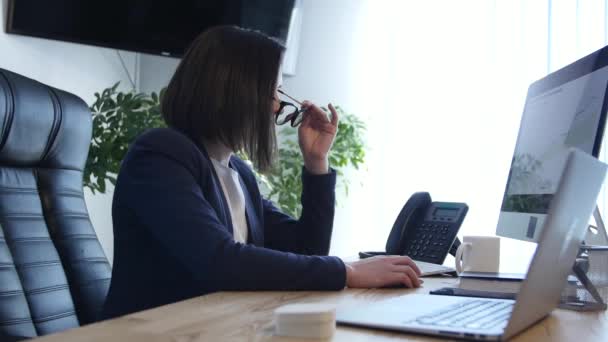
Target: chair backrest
{"x":54,"y":274}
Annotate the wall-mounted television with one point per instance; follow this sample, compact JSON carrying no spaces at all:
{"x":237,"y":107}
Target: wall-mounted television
{"x":164,"y":27}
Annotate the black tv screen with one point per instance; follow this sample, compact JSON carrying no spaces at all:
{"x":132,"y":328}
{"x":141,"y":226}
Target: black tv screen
{"x":163,"y":27}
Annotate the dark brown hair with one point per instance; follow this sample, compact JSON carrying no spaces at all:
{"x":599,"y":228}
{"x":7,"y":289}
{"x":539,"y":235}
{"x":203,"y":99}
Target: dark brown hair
{"x":222,"y":91}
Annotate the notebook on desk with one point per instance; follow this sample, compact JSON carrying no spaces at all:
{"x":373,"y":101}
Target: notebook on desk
{"x":497,"y":282}
{"x":497,"y":319}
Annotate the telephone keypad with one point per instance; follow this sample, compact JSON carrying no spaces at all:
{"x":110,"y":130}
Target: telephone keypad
{"x":429,"y":242}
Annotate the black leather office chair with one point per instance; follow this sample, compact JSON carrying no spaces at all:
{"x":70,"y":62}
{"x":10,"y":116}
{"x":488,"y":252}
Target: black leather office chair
{"x":54,"y":274}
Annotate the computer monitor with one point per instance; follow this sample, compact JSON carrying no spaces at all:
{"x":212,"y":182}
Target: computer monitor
{"x":566,"y":108}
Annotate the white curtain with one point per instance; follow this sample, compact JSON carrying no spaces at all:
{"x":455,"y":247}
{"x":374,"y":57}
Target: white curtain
{"x":441,"y":85}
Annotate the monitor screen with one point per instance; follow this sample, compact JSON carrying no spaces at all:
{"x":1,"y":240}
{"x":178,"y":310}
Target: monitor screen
{"x":565,"y":109}
{"x":154,"y":26}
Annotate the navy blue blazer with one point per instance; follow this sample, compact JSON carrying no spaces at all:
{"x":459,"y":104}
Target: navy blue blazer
{"x":173,"y":233}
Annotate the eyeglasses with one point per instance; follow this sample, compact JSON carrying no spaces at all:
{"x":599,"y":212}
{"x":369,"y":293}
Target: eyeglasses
{"x":289,"y":112}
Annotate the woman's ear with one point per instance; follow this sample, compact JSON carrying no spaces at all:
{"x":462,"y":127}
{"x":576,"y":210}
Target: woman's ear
{"x":275,"y":103}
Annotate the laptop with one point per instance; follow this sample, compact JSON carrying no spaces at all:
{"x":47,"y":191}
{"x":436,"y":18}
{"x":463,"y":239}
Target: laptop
{"x":500,"y":319}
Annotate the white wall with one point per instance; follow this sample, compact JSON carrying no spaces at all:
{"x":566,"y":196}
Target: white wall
{"x":326,"y":52}
{"x":79,"y":69}
{"x":155,"y":72}
{"x":326,"y":56}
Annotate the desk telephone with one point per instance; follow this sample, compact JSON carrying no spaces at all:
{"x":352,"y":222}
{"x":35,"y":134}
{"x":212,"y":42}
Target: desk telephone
{"x":425,"y":230}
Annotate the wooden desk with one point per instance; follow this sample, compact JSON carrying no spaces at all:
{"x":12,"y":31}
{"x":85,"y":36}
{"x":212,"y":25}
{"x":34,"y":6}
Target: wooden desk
{"x":247,"y":316}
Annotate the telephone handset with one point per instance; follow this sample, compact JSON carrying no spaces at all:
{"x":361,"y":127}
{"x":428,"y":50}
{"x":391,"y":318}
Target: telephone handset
{"x":425,"y":230}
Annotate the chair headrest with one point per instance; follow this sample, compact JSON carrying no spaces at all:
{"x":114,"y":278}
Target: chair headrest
{"x":40,"y":126}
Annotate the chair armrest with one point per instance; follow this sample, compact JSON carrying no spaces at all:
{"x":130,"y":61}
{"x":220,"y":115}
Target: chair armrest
{"x":11,"y":338}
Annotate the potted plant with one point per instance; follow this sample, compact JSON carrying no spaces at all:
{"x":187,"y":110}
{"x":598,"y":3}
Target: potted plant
{"x":119,"y":117}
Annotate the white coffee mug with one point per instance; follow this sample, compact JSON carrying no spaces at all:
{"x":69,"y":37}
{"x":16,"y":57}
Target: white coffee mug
{"x":478,"y":254}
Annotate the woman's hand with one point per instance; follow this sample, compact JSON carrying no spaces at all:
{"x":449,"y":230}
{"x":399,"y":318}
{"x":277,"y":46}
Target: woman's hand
{"x":381,"y":271}
{"x":316,"y":134}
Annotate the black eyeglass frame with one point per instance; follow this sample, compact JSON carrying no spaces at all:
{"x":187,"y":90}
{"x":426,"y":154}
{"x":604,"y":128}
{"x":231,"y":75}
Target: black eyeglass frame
{"x":295,"y":117}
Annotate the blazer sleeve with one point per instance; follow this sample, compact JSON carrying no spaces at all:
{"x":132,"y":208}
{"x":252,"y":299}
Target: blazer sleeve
{"x":311,"y":234}
{"x":161,"y":190}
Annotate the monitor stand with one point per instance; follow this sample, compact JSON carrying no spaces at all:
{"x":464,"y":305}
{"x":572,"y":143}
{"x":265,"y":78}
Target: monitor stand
{"x":581,"y":265}
{"x":596,"y":234}
{"x":596,"y":238}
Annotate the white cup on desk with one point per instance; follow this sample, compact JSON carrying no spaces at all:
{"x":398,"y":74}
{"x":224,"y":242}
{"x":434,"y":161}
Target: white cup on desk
{"x":478,"y":254}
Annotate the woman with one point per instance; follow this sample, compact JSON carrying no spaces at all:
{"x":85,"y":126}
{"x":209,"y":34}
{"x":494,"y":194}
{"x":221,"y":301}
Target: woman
{"x":188,"y":215}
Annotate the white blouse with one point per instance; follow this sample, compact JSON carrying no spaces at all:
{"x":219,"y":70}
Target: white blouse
{"x":231,"y":186}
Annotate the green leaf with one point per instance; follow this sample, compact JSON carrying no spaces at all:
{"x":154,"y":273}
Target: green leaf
{"x":118,"y":118}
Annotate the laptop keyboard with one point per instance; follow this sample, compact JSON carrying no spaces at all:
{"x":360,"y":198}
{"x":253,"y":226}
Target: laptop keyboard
{"x":474,"y":314}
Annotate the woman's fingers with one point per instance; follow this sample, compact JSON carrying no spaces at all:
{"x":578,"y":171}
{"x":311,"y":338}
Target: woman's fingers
{"x":406,"y":270}
{"x":334,"y":114}
{"x":409,"y":272}
{"x":382,"y":271}
{"x":405,"y":260}
{"x":314,"y":112}
{"x":406,"y":280}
